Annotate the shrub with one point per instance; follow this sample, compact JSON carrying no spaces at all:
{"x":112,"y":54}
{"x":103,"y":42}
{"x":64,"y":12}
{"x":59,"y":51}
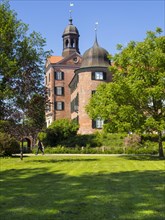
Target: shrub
{"x":59,"y":131}
{"x":132,"y":140}
{"x":151,"y":137}
{"x":64,"y":128}
{"x":89,"y":140}
{"x":111,"y":139}
{"x":141,"y":150}
{"x":8,"y":145}
{"x":59,"y":149}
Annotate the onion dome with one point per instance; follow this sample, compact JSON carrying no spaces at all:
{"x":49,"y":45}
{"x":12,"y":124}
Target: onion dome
{"x":96,"y":56}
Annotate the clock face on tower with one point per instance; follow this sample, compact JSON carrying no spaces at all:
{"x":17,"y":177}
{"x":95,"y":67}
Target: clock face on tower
{"x":75,"y":59}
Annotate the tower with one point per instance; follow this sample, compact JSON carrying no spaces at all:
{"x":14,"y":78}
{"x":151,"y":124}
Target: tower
{"x":93,"y":71}
{"x":70,"y":39}
{"x":59,"y":71}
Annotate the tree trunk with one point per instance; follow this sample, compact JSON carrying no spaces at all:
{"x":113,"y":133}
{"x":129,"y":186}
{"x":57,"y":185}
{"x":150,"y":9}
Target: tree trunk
{"x":161,"y":154}
{"x":21,"y":153}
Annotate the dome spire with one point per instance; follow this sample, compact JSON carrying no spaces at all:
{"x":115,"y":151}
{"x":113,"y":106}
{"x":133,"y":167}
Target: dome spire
{"x":96,"y":25}
{"x":70,"y":21}
{"x":95,"y":56}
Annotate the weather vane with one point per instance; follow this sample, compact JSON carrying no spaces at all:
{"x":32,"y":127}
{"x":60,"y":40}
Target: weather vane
{"x":70,"y":11}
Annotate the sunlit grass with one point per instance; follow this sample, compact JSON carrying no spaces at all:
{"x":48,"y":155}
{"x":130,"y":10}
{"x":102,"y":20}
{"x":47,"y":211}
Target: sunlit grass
{"x":82,"y":188}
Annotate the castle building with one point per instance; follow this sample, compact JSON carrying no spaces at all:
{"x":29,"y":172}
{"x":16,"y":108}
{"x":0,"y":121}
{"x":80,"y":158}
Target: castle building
{"x":71,"y":79}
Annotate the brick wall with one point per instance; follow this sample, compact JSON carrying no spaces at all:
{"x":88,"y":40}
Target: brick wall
{"x":84,"y":88}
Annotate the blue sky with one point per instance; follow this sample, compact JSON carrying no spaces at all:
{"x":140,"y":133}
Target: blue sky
{"x":119,"y":21}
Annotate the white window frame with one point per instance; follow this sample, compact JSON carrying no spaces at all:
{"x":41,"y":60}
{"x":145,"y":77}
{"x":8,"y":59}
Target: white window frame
{"x":59,"y":75}
{"x":59,"y":105}
{"x":99,"y":75}
{"x":48,"y":107}
{"x":99,"y":123}
{"x":59,"y":90}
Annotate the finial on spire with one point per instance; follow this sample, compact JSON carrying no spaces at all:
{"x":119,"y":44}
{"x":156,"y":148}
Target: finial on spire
{"x":96,"y":25}
{"x":70,"y":14}
{"x":70,"y":11}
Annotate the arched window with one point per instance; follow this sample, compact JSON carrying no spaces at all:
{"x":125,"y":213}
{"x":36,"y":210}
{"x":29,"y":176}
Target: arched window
{"x":66,"y":43}
{"x":72,"y":43}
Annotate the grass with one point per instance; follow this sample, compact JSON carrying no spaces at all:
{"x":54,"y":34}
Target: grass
{"x":82,"y":188}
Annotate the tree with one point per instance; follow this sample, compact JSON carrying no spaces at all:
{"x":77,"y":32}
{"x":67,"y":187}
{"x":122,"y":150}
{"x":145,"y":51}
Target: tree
{"x":135,"y":100}
{"x":36,"y":115}
{"x":22,"y":59}
{"x":59,"y":131}
{"x":36,"y":111}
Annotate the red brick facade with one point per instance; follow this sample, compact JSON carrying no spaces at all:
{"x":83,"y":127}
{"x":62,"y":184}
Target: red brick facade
{"x":86,"y":85}
{"x":71,"y":79}
{"x":66,"y":66}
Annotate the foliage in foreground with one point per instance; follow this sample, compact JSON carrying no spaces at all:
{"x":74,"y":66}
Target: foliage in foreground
{"x":8,"y":145}
{"x":22,"y":58}
{"x":59,"y":131}
{"x":135,"y":100}
{"x":106,"y":143}
{"x":149,"y":149}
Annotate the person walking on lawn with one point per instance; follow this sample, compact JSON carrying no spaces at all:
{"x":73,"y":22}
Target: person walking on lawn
{"x":40,"y":147}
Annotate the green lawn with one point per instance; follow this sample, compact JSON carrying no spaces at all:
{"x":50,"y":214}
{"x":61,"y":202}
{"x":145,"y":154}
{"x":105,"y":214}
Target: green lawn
{"x":82,"y":188}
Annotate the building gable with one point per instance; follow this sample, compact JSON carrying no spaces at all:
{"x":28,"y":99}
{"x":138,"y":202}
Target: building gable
{"x":73,"y":59}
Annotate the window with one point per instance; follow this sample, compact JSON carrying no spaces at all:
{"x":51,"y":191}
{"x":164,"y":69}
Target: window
{"x":75,"y":104}
{"x":59,"y":90}
{"x":48,"y":107}
{"x":59,"y":106}
{"x":72,"y":43}
{"x":93,"y":92}
{"x":48,"y":92}
{"x":98,"y":123}
{"x":48,"y":123}
{"x":98,"y":76}
{"x":74,"y":83}
{"x":59,"y":75}
{"x":67,"y":43}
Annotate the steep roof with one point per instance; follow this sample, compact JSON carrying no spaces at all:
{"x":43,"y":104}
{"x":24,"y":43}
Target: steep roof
{"x":95,"y":56}
{"x":70,"y":29}
{"x":55,"y":59}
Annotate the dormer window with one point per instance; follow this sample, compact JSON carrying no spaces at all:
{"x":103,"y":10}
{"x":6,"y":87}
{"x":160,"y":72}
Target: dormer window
{"x":98,"y":76}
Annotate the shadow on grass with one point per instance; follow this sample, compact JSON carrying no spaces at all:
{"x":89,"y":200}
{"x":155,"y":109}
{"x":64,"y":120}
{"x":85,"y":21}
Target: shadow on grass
{"x":65,"y":160}
{"x":42,"y":194}
{"x":18,"y":156}
{"x":143,"y":157}
{"x":12,"y":156}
